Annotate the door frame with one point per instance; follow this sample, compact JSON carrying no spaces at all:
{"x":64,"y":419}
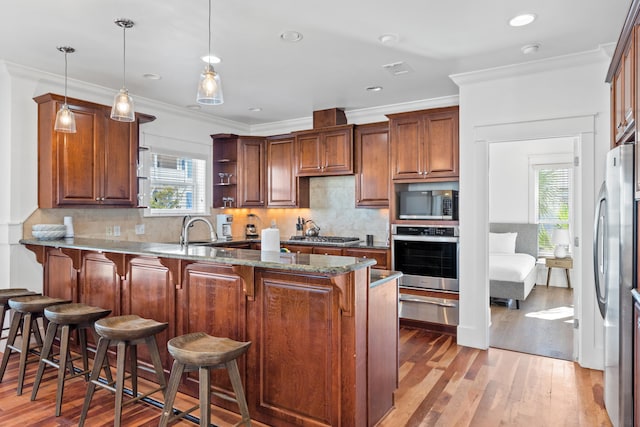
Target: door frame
{"x":474,"y":326}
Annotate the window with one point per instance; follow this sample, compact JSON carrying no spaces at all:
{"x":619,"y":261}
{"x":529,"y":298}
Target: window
{"x":176,"y":184}
{"x":553,"y":202}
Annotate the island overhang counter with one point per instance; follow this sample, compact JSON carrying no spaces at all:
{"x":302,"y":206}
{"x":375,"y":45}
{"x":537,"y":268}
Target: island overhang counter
{"x":324,"y":336}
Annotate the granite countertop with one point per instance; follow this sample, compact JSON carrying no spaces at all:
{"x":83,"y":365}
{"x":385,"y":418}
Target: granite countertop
{"x":355,"y":244}
{"x":378,"y":277}
{"x":310,"y":263}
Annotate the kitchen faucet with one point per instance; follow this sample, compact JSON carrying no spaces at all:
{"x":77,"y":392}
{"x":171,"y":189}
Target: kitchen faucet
{"x":187,"y":222}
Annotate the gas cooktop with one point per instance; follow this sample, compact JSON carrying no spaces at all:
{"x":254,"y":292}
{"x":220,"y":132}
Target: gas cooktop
{"x":325,"y":239}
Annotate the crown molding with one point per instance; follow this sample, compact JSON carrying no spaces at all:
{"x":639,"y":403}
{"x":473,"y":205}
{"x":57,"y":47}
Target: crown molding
{"x":356,"y":116}
{"x":595,"y":56}
{"x":104,"y":95}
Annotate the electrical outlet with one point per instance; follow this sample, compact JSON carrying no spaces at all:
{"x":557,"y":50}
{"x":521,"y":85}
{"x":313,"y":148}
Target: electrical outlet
{"x":109,"y":231}
{"x":139,"y":228}
{"x":116,"y":230}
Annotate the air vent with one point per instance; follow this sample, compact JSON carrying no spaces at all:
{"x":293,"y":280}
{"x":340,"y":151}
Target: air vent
{"x":398,"y":68}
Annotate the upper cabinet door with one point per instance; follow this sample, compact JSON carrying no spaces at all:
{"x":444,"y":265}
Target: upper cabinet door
{"x":251,"y":167}
{"x":441,"y":145}
{"x":372,"y":165}
{"x":338,"y":151}
{"x":76,"y":167}
{"x":309,"y":150}
{"x":284,"y":189}
{"x":406,"y":147}
{"x":120,"y":157}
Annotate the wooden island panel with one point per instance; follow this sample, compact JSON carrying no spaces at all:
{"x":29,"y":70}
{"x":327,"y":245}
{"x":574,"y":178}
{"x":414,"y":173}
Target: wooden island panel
{"x":311,"y":362}
{"x":211,"y":300}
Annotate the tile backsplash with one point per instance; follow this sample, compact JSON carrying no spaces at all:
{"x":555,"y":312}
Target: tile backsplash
{"x":332,"y":208}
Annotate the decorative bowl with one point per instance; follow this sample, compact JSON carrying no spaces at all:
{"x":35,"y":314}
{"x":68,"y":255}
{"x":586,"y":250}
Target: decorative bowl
{"x":48,"y":231}
{"x":49,"y":235}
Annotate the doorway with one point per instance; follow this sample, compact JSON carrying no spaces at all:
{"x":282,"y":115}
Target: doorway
{"x":532,"y":184}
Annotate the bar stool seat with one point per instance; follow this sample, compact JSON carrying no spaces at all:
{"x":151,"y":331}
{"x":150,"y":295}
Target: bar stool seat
{"x":5,"y":296}
{"x":26,"y":312}
{"x":65,"y":318}
{"x":125,"y":332}
{"x":203,"y":352}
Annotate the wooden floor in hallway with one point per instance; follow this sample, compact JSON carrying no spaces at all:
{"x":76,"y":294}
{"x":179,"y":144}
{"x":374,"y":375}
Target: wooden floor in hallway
{"x":441,"y":384}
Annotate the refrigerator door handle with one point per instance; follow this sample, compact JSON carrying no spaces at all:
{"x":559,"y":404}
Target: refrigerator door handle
{"x":600,"y":267}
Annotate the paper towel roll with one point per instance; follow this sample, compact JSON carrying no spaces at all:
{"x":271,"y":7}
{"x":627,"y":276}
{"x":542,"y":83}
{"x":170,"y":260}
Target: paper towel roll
{"x":68,"y":222}
{"x":270,"y":240}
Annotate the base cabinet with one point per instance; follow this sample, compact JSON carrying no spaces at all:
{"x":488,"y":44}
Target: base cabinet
{"x":314,"y":359}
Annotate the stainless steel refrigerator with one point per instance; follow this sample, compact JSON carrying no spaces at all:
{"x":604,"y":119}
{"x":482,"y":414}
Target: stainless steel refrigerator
{"x":613,"y":261}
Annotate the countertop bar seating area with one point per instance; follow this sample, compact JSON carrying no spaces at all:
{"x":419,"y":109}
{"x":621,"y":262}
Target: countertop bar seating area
{"x":323,"y":330}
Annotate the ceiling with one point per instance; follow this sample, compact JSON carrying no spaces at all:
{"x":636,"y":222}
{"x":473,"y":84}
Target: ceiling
{"x":339,"y":56}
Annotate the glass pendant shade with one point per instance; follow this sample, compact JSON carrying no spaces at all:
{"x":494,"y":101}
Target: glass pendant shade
{"x":210,"y":87}
{"x":65,"y":120}
{"x":123,"y":109}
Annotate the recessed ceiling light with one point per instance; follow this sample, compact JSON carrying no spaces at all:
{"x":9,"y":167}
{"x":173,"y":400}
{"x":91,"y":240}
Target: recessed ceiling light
{"x":255,"y":109}
{"x":152,"y":76}
{"x":291,"y":36}
{"x":388,"y":39}
{"x":211,"y":59}
{"x":193,"y":107}
{"x":374,"y":89}
{"x":530,"y":48}
{"x":522,"y":20}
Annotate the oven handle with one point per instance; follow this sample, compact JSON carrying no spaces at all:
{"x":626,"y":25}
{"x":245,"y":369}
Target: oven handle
{"x":410,"y":238}
{"x":425,"y":301}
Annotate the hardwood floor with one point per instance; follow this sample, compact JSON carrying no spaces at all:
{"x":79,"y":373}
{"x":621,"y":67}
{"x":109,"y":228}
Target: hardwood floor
{"x":441,"y":384}
{"x":543,"y":325}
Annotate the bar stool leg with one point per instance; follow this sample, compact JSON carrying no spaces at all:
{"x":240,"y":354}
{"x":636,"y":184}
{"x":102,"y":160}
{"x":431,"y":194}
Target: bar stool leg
{"x":152,"y":345}
{"x":28,"y":326}
{"x":120,"y":374}
{"x":171,"y":391}
{"x":46,"y":350}
{"x":16,"y":321}
{"x":82,"y":338}
{"x":236,"y":382}
{"x":205,"y":391}
{"x":64,"y":356}
{"x":101,"y":355}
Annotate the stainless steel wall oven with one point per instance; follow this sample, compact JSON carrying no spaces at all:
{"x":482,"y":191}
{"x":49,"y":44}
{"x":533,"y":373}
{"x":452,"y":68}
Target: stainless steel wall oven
{"x":428,"y":258}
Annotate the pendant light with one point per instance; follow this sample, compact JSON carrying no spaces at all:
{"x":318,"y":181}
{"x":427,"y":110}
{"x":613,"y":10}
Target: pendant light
{"x":210,"y":85}
{"x":65,"y":119}
{"x":123,"y":109}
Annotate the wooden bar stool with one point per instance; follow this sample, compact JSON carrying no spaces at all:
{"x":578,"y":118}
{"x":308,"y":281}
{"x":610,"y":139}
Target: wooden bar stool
{"x":125,"y":332}
{"x":5,"y":296}
{"x":202,"y":352}
{"x":26,"y":312}
{"x":65,"y":318}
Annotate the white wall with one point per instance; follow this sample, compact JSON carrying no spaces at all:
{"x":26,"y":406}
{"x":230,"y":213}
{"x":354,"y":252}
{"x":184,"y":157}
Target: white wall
{"x":564,"y":90}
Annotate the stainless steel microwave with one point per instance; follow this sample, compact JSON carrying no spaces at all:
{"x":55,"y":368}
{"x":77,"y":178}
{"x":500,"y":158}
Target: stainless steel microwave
{"x":428,"y":204}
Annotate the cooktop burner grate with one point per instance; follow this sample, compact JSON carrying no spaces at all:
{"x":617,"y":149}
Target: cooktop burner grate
{"x":325,"y":239}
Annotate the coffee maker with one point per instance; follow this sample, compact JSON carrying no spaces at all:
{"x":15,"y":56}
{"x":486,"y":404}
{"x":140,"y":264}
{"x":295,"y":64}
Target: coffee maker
{"x":251,"y":232}
{"x":223,"y":226}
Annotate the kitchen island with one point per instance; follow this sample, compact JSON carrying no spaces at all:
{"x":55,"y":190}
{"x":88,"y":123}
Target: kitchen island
{"x":324,"y":335}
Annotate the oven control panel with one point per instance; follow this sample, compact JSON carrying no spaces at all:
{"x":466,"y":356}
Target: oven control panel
{"x":436,"y":231}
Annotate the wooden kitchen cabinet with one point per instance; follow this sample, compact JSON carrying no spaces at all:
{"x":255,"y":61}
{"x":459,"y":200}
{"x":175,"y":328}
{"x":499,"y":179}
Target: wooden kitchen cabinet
{"x":327,"y":250}
{"x":623,"y":96}
{"x":242,"y":159}
{"x":327,"y":151}
{"x":371,"y":147}
{"x":96,"y":166}
{"x":284,"y":188}
{"x":424,"y":145}
{"x":382,"y":256}
{"x":224,"y":315}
